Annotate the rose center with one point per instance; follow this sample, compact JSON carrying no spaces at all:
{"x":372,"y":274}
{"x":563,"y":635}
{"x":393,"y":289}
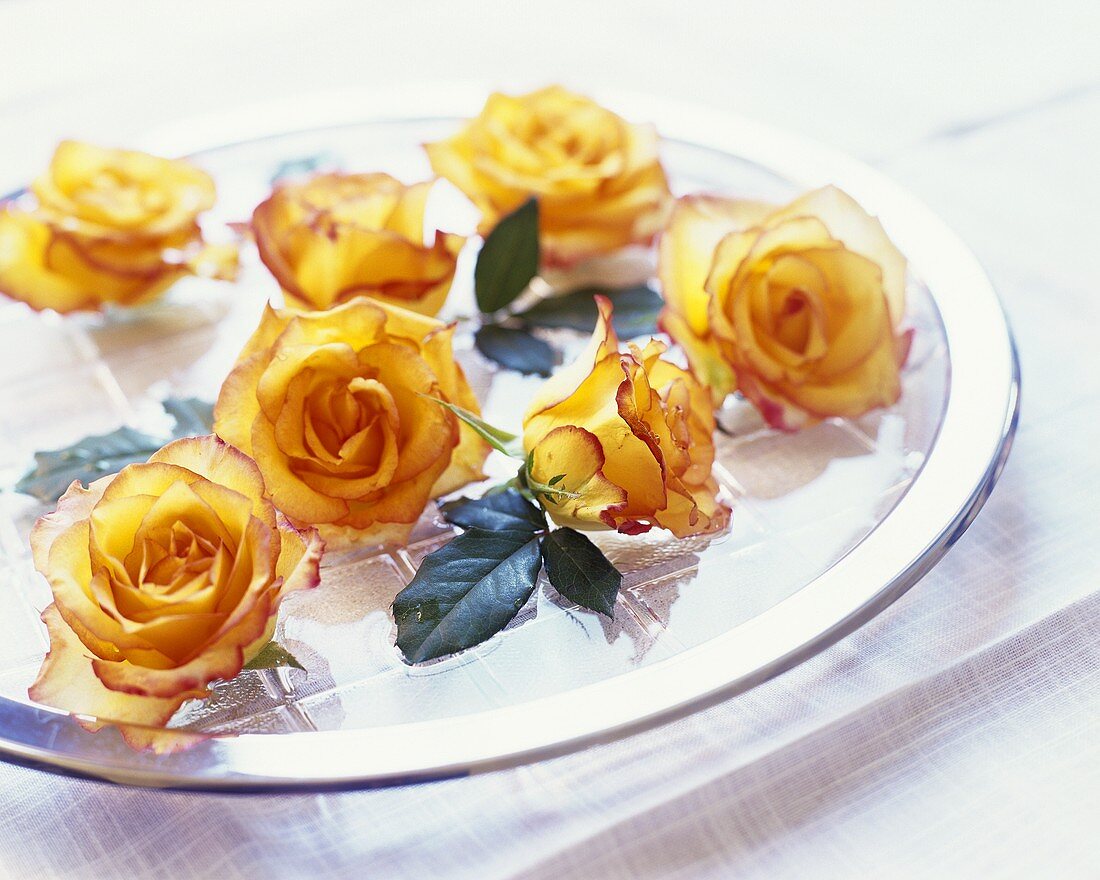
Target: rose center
{"x":118,"y":193}
{"x":793,"y":322}
{"x":173,"y":557}
{"x":360,"y":210}
{"x":354,"y":426}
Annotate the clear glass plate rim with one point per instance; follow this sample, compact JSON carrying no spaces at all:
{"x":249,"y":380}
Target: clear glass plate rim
{"x":964,"y":462}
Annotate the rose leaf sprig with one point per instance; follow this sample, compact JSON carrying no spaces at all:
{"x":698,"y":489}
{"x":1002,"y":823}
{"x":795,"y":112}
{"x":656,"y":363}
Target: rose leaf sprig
{"x":617,"y":440}
{"x":508,"y":266}
{"x":471,"y":589}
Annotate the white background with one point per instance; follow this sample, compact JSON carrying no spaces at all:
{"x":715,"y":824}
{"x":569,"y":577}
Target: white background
{"x":956,"y":735}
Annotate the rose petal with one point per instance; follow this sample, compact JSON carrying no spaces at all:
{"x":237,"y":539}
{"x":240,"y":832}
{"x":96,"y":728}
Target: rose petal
{"x":860,"y":232}
{"x":580,"y":456}
{"x":67,"y":681}
{"x":598,"y":179}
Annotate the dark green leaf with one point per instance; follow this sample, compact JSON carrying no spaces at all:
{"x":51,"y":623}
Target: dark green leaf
{"x":193,"y":417}
{"x":500,"y":440}
{"x":95,"y":457}
{"x":273,"y":656}
{"x":515,"y":349}
{"x":86,"y":460}
{"x":501,"y":510}
{"x":636,"y":310}
{"x":466,"y":592}
{"x":509,"y":258}
{"x":580,"y":572}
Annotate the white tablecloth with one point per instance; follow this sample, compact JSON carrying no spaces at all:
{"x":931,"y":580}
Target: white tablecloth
{"x":955,"y":735}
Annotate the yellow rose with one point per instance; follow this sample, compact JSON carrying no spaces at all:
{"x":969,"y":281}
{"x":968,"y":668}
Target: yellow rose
{"x":598,"y":179}
{"x":798,"y":307}
{"x":632,"y":434}
{"x":166,"y":576}
{"x":107,"y":226}
{"x":338,"y":236}
{"x":335,"y":406}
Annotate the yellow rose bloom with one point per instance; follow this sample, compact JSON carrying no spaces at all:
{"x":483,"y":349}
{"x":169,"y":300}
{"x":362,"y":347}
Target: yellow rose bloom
{"x":166,"y":576}
{"x":632,"y":434}
{"x":107,"y":226}
{"x":338,"y":236}
{"x":335,"y":406}
{"x":598,"y":179}
{"x":798,"y":307}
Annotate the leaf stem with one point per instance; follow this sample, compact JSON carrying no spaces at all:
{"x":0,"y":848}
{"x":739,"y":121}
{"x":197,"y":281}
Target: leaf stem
{"x":500,"y":440}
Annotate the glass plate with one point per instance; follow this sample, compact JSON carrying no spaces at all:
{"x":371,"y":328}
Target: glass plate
{"x":830,"y":525}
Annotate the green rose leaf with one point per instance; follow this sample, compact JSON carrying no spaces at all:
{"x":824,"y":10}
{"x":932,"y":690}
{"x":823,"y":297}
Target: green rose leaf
{"x":96,"y":456}
{"x":515,"y":349}
{"x":579,"y":571}
{"x":466,"y":592}
{"x":509,"y":258}
{"x":501,"y":510}
{"x":636,"y":310}
{"x":274,"y":656}
{"x":193,"y":417}
{"x":500,"y":440}
{"x":86,"y":460}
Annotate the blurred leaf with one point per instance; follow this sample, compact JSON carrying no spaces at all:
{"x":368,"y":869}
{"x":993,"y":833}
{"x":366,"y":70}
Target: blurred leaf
{"x":509,"y":258}
{"x":193,"y":417}
{"x":515,"y":349}
{"x":636,"y":310}
{"x":94,"y":457}
{"x":86,"y":460}
{"x":304,"y":166}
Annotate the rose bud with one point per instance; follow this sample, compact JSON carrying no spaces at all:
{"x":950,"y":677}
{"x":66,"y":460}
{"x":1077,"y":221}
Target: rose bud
{"x":628,"y":435}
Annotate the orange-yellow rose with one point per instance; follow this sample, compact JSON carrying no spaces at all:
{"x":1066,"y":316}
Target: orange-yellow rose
{"x":336,"y":407}
{"x":166,"y":576}
{"x":338,"y":236}
{"x":798,"y":307}
{"x":107,"y":226}
{"x":632,"y":434}
{"x":598,"y":179}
